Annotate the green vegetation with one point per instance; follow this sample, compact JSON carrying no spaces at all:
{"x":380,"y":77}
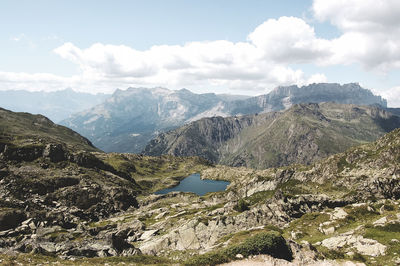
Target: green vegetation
{"x":155,"y":173}
{"x":27,"y":130}
{"x":292,"y":188}
{"x":301,"y":134}
{"x":342,"y":164}
{"x":271,"y":243}
{"x":241,"y":206}
{"x":35,"y":259}
{"x":260,"y":196}
{"x":387,"y":235}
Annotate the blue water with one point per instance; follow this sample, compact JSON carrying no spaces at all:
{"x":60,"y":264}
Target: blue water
{"x":194,"y":184}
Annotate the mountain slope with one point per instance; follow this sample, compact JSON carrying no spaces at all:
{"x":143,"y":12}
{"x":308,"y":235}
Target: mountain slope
{"x":24,"y":129}
{"x":344,"y":207}
{"x":57,"y":105}
{"x":302,"y":134}
{"x":129,"y":119}
{"x":53,"y":179}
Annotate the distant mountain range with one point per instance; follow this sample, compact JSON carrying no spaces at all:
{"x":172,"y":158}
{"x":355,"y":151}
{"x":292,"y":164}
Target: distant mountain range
{"x":129,"y":119}
{"x":57,"y":105}
{"x":302,"y":134}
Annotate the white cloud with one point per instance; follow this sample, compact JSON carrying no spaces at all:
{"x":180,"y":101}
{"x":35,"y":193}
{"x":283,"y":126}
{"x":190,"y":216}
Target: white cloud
{"x":392,"y":95}
{"x":359,"y":15}
{"x":18,"y":37}
{"x":239,"y":66}
{"x":317,"y":78}
{"x":371,"y":31}
{"x":289,"y":40}
{"x":370,"y":36}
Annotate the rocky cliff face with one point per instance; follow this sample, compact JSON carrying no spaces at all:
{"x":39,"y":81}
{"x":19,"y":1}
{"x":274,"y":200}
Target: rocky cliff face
{"x":131,"y":118}
{"x":302,"y":134}
{"x":283,"y":97}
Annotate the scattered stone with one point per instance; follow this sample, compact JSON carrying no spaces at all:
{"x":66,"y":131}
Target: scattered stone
{"x":364,"y":246}
{"x":147,"y":234}
{"x":380,"y":222}
{"x":329,"y":230}
{"x":239,"y":256}
{"x":338,"y":213}
{"x":161,"y":215}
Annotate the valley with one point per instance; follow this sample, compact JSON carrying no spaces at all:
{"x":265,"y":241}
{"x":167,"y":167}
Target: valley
{"x":71,"y":203}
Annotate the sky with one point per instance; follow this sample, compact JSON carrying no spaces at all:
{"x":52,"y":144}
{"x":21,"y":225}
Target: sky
{"x":223,"y":46}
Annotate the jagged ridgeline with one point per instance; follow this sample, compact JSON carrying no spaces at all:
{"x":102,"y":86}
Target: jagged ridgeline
{"x":129,"y":119}
{"x":302,"y":134}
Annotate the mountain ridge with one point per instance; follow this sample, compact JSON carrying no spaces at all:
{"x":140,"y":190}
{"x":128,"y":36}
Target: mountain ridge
{"x":301,"y":134}
{"x":131,"y":118}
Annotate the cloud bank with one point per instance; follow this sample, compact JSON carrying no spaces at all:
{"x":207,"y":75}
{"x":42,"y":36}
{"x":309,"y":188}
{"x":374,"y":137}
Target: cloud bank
{"x":369,"y":36}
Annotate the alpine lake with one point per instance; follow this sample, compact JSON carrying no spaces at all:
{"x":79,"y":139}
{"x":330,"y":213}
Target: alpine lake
{"x":195,"y":184}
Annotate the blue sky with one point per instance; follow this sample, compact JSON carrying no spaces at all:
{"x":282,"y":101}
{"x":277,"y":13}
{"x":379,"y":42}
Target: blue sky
{"x":239,"y":47}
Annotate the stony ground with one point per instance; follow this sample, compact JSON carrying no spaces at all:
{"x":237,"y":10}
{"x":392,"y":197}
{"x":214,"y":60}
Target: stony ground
{"x":64,"y":206}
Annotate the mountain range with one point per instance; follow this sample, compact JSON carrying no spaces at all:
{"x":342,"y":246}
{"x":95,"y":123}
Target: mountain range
{"x":129,"y":119}
{"x":56,"y":105}
{"x":301,"y":134}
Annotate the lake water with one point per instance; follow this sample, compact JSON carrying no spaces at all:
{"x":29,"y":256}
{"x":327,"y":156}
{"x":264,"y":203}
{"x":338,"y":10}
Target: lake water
{"x":194,"y":184}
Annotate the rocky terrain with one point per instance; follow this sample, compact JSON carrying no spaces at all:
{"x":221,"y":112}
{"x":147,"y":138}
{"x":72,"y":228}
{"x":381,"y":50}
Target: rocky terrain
{"x":53,"y":182}
{"x":64,"y":202}
{"x":302,"y":134}
{"x":57,"y":105}
{"x":129,"y":119}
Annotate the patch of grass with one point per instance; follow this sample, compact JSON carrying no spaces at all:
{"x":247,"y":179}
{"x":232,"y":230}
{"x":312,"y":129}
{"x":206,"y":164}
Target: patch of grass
{"x":308,"y":226}
{"x":331,"y":253}
{"x":358,"y":257}
{"x":271,"y":243}
{"x":293,"y":187}
{"x":102,"y":223}
{"x":260,"y":196}
{"x":385,"y":235}
{"x":342,"y":164}
{"x":36,"y":259}
{"x":361,"y":213}
{"x":214,"y":207}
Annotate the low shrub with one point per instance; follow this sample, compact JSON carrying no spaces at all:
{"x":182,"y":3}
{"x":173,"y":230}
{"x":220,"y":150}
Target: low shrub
{"x":271,"y":243}
{"x":241,"y":206}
